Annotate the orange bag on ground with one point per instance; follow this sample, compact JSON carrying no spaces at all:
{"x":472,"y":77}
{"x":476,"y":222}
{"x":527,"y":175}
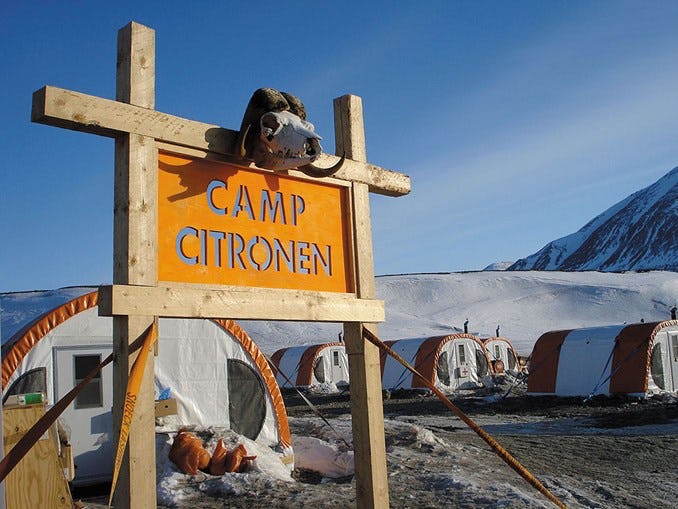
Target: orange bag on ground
{"x":188,"y":453}
{"x":218,"y":459}
{"x":224,"y":460}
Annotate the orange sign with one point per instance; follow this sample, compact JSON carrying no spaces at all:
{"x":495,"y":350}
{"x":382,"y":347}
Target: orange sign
{"x":220,"y":224}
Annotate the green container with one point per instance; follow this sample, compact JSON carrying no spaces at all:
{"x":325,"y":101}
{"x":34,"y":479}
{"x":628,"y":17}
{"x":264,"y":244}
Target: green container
{"x":31,"y":398}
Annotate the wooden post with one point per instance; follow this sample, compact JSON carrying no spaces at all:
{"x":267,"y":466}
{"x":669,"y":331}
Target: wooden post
{"x":364,"y":368}
{"x":135,"y":261}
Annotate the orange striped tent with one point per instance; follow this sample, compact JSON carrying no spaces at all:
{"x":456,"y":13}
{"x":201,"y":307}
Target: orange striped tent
{"x":455,"y":361}
{"x":638,"y":360}
{"x":212,"y":368}
{"x":503,"y":356}
{"x":311,"y":365}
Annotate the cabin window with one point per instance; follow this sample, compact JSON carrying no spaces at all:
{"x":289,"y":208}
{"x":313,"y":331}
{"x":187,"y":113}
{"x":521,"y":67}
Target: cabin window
{"x":246,"y":399}
{"x":497,"y":352}
{"x":34,"y":380}
{"x":443,"y":369}
{"x":481,"y":363}
{"x":674,"y":347}
{"x":335,"y":357}
{"x":319,"y":370}
{"x":462,"y":354}
{"x":657,"y":366}
{"x":91,"y":396}
{"x":512,"y":359}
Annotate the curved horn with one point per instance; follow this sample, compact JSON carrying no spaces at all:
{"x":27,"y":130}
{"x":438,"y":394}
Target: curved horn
{"x":241,"y":151}
{"x":313,"y":171}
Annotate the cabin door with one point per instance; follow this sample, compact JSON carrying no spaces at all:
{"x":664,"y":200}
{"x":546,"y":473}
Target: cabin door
{"x":89,"y":415}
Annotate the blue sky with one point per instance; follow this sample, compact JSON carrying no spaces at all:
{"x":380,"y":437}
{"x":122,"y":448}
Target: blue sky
{"x":518,"y":122}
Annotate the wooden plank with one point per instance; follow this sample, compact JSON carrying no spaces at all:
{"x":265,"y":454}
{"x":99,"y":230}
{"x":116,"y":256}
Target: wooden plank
{"x":367,"y":413}
{"x":38,"y":479}
{"x":86,"y":113}
{"x":134,"y":261}
{"x":106,"y":117}
{"x":237,"y":303}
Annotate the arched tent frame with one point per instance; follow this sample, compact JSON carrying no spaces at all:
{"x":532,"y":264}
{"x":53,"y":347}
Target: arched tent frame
{"x":29,"y":337}
{"x":623,"y":368}
{"x":424,"y":354}
{"x":298,"y":363}
{"x":487,"y":342}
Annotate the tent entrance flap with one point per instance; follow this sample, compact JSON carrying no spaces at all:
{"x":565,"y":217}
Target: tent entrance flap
{"x":246,"y":399}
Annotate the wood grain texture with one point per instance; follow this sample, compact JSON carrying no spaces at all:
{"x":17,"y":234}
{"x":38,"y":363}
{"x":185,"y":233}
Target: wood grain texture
{"x":135,"y":262}
{"x":81,"y":112}
{"x":38,"y":480}
{"x":364,"y":365}
{"x":237,"y":303}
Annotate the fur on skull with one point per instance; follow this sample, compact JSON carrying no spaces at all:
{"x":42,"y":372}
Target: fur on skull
{"x":275,"y":134}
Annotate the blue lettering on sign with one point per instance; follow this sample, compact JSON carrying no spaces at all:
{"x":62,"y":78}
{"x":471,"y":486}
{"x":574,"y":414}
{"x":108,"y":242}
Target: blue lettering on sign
{"x":230,"y":250}
{"x":183,"y":233}
{"x":215,"y":184}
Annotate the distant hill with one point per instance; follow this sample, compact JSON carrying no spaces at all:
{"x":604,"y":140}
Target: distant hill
{"x":523,"y":304}
{"x":498,"y":266}
{"x":638,"y":233}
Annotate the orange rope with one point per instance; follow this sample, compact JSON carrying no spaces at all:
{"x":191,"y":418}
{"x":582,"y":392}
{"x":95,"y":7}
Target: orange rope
{"x":496,"y":447}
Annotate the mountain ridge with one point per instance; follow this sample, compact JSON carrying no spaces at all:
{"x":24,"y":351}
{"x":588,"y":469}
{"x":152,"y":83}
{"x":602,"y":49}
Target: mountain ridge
{"x":639,"y":232}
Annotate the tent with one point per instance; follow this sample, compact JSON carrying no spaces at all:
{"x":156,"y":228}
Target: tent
{"x":311,"y":365}
{"x":456,"y":361}
{"x":212,"y":368}
{"x":503,"y":355}
{"x":639,"y":359}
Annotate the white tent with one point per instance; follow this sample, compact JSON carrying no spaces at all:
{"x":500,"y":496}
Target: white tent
{"x":211,"y":368}
{"x":455,"y":361}
{"x":311,"y":365}
{"x":503,"y":355}
{"x":636,"y":359}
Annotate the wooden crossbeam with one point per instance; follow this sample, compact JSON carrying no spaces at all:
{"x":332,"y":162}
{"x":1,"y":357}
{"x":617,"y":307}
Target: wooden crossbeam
{"x":237,"y":303}
{"x":81,"y":112}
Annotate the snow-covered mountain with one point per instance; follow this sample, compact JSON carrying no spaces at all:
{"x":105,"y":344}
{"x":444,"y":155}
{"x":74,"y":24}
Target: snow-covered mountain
{"x":638,"y":233}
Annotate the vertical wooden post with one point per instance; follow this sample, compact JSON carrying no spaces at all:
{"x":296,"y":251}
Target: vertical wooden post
{"x":135,"y":261}
{"x":364,"y":369}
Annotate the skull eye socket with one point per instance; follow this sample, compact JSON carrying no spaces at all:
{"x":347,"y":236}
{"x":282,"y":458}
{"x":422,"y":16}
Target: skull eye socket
{"x":268,"y":120}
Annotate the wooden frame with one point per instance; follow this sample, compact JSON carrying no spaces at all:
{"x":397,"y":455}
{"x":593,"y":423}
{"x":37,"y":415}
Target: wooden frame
{"x":136,"y":298}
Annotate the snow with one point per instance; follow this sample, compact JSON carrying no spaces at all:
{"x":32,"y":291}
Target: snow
{"x":173,"y":484}
{"x":524,"y":304}
{"x":314,"y":454}
{"x":622,"y":237}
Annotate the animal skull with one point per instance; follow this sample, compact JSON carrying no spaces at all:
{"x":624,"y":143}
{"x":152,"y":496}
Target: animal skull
{"x":276,"y":135}
{"x":287,"y":141}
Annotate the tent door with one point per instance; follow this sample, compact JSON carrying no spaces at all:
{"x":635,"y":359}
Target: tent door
{"x":672,"y":352}
{"x":337,"y":365}
{"x":463,"y":361}
{"x":246,"y":399}
{"x":89,"y":415}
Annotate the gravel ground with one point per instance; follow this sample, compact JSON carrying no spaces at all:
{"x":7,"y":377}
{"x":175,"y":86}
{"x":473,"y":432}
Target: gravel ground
{"x":607,"y":453}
